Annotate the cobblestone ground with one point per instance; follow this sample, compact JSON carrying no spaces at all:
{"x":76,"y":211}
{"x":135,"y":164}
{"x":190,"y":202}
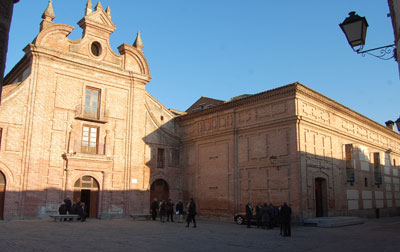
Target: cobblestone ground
{"x":127,"y":235}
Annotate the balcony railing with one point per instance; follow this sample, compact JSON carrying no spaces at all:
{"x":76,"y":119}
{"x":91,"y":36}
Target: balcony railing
{"x":350,"y":174}
{"x":98,"y":116}
{"x":77,"y":147}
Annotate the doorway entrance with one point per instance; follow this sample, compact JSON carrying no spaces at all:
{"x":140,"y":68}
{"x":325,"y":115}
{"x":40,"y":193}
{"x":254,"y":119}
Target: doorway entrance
{"x":86,"y":189}
{"x":160,"y":190}
{"x":2,"y":193}
{"x":321,"y":199}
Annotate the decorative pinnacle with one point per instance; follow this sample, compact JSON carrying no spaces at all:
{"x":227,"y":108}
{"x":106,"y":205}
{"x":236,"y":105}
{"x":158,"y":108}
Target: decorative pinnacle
{"x":48,"y":14}
{"x":138,"y":42}
{"x":108,"y":11}
{"x":98,"y":6}
{"x":88,"y":8}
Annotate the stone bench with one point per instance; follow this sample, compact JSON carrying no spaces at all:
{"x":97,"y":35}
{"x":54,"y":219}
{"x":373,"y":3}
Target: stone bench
{"x":60,"y":217}
{"x":140,"y":216}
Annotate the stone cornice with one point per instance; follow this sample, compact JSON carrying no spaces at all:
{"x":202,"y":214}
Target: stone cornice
{"x":273,"y":93}
{"x":89,"y":63}
{"x":17,"y":69}
{"x":308,"y":92}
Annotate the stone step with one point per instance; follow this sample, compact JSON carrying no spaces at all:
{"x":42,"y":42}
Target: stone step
{"x":336,"y":221}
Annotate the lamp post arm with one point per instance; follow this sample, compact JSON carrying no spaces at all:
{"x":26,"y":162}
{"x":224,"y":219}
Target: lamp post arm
{"x":385,"y":52}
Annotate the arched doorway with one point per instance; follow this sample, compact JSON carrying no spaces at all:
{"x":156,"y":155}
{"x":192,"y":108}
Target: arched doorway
{"x":160,"y":190}
{"x":86,"y":189}
{"x":2,"y":193}
{"x":321,"y":197}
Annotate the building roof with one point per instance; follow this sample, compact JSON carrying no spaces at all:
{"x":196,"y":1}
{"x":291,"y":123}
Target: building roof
{"x":204,"y":103}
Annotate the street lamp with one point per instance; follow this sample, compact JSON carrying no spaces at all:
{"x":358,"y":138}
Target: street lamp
{"x":354,"y":28}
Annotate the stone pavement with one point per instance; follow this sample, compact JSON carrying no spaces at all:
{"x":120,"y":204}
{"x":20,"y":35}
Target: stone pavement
{"x":211,"y":236}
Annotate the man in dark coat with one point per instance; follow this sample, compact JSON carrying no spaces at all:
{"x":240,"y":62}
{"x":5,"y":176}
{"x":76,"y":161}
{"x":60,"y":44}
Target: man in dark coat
{"x":191,"y":213}
{"x":170,"y":210}
{"x":270,"y":211}
{"x":265,"y":216}
{"x":81,"y":210}
{"x":179,"y":211}
{"x":154,"y":209}
{"x":163,"y":210}
{"x":62,"y":209}
{"x":68,"y":204}
{"x":249,"y":214}
{"x":286,"y":213}
{"x":259,"y":215}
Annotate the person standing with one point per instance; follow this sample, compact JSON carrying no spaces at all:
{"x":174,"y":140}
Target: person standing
{"x":265,"y":216}
{"x":191,"y":213}
{"x":286,"y":213}
{"x":170,"y":210}
{"x":249,"y":214}
{"x":270,"y":211}
{"x":163,"y":210}
{"x":154,"y":209}
{"x":259,"y":215}
{"x":179,"y":211}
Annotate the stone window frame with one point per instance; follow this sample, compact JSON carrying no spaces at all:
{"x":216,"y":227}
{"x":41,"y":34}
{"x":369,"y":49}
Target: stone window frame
{"x":88,"y":113}
{"x":88,"y":149}
{"x":349,"y":158}
{"x":96,"y":45}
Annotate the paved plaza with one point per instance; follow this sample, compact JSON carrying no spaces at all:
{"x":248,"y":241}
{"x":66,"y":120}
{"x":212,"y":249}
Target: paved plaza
{"x":126,"y":235}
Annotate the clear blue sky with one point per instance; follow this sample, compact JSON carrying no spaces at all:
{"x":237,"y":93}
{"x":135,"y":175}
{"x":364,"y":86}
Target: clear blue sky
{"x":224,"y":48}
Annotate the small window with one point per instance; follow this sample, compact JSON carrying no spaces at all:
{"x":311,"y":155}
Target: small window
{"x":160,"y":158}
{"x":366,"y":182}
{"x":92,"y":103}
{"x":96,"y":48}
{"x":89,"y":139}
{"x":349,"y":163}
{"x":377,"y":169}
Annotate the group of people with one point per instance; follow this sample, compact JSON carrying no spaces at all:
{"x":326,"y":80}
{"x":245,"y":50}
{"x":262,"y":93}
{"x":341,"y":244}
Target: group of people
{"x":79,"y":208}
{"x":165,"y":210}
{"x":268,"y":216}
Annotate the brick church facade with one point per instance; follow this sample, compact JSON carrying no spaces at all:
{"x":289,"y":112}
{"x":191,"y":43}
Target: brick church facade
{"x":76,"y":120}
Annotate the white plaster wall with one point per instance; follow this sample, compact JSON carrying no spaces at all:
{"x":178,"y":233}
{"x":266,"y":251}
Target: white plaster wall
{"x":352,"y":199}
{"x":364,"y":166}
{"x":367,"y":195}
{"x":367,"y":204}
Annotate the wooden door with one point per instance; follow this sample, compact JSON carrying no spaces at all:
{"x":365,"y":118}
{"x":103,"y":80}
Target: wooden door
{"x":160,"y":190}
{"x":86,"y":189}
{"x":318,"y":198}
{"x":94,"y":195}
{"x":77,"y":196}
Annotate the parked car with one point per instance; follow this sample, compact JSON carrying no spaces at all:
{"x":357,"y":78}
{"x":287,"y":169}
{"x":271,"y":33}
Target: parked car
{"x":240,"y":219}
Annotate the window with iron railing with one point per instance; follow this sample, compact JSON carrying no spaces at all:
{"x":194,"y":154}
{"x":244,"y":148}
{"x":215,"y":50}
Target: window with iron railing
{"x":90,"y":139}
{"x":92,"y":103}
